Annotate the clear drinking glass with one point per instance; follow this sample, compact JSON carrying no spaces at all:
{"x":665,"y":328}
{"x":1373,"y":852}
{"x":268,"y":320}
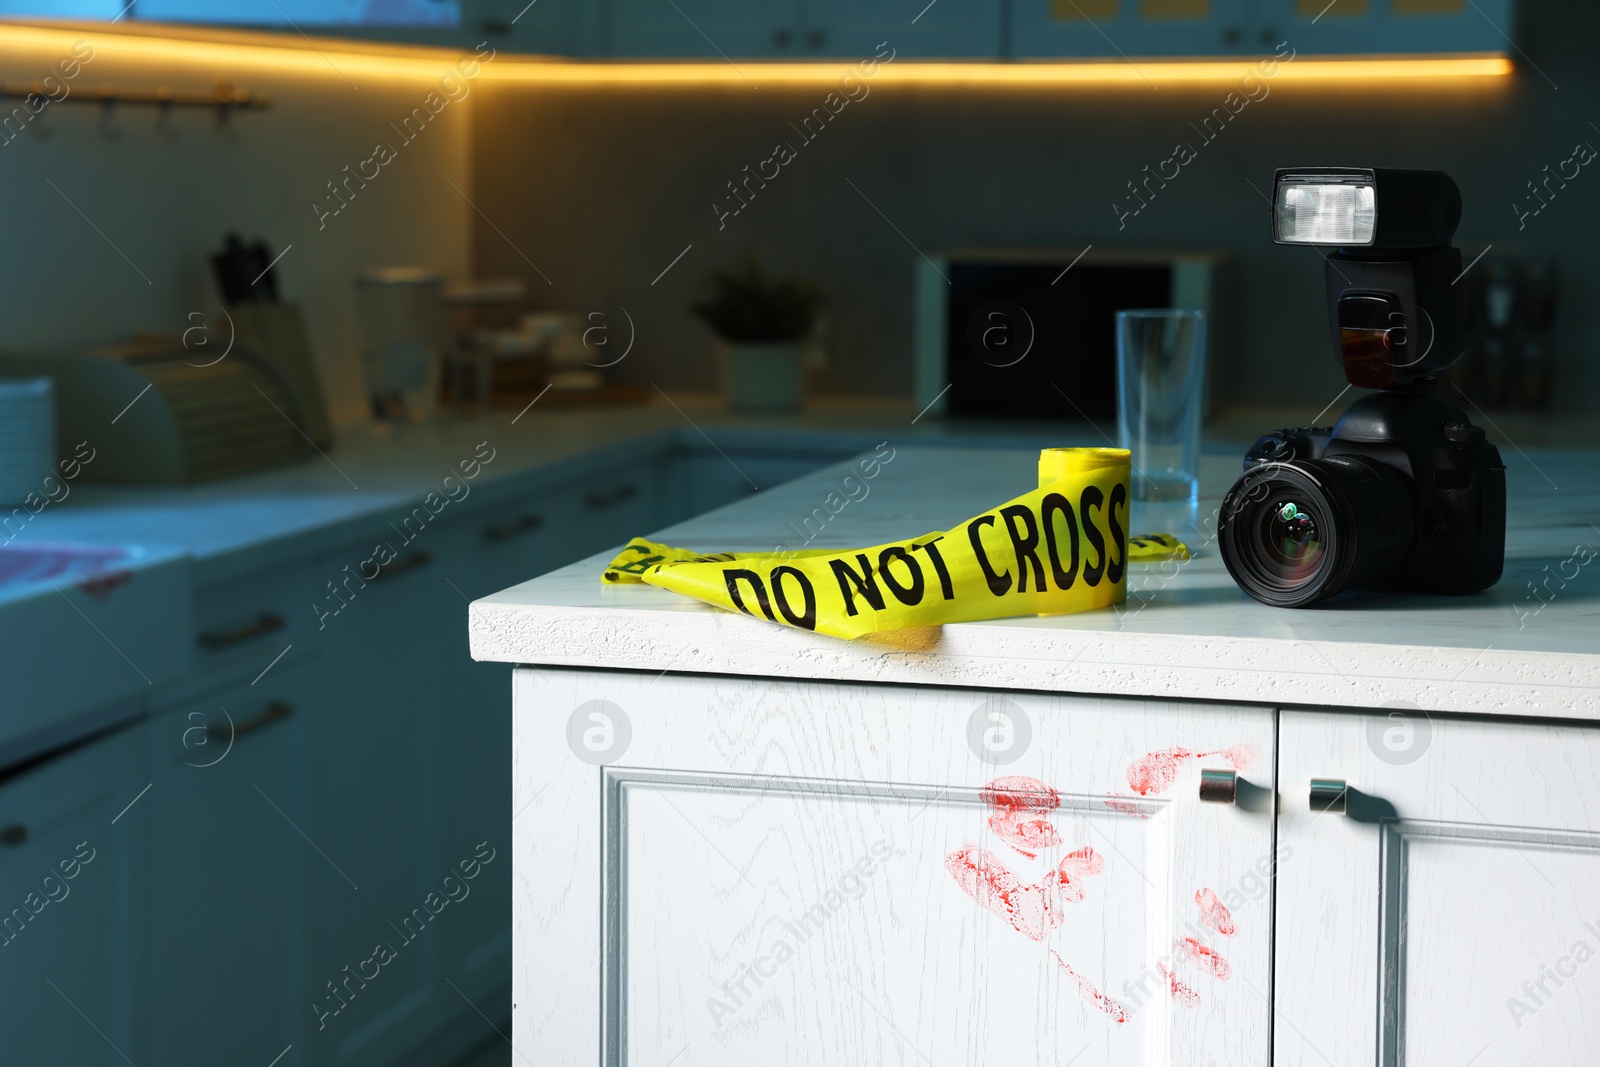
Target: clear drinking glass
{"x":1161,"y":355}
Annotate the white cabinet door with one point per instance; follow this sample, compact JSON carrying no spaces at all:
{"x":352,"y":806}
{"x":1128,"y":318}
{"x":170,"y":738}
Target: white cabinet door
{"x":709,"y":29}
{"x":738,"y":871}
{"x":71,"y":936}
{"x":226,"y":879}
{"x":1450,"y":915}
{"x":914,"y":29}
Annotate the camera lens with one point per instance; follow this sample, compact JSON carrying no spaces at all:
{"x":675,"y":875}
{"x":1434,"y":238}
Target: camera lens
{"x":1291,"y":540}
{"x":1292,"y":534}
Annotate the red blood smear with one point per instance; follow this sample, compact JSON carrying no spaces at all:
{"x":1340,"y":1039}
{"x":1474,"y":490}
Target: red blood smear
{"x":1203,"y":957}
{"x":1019,"y":793}
{"x":1092,"y":995}
{"x":1214,"y":913}
{"x":1154,"y":772}
{"x":1180,"y":992}
{"x":1241,"y":756}
{"x":1020,"y":804}
{"x":1024,"y":831}
{"x":1126,"y":806}
{"x":1074,"y":867}
{"x":1030,"y":909}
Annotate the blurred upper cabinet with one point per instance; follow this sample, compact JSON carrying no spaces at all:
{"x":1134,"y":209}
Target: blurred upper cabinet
{"x":429,"y":13}
{"x":1127,"y":28}
{"x":850,"y":29}
{"x":552,"y":27}
{"x":1390,"y":27}
{"x":806,"y":29}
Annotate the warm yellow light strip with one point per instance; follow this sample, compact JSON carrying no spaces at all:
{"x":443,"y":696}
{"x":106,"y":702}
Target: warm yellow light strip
{"x":1141,"y":72}
{"x":272,"y":52}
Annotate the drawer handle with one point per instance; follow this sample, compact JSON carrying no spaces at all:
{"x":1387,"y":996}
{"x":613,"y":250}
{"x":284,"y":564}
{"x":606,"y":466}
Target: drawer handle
{"x":604,"y":498}
{"x":506,"y":530}
{"x":1329,"y":794}
{"x":400,"y":566}
{"x":1219,"y":787}
{"x":14,"y":834}
{"x":267,"y":622}
{"x":276,"y":711}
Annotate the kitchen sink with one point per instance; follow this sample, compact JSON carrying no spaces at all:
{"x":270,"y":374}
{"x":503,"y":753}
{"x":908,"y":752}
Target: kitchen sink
{"x":25,"y":565}
{"x":88,"y":632}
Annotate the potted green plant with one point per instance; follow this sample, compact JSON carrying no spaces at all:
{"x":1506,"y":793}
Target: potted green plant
{"x":762,"y":323}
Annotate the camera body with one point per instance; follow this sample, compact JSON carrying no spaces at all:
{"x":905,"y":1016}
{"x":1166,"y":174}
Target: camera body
{"x":1404,"y":489}
{"x":1404,"y":492}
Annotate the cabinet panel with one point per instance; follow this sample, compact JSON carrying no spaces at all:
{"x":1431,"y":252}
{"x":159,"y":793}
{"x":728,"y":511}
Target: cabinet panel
{"x":914,"y":29}
{"x":1394,"y":27}
{"x":709,"y":29}
{"x":1448,"y":914}
{"x":1122,"y":29}
{"x":804,"y":873}
{"x":473,"y":747}
{"x":242,"y":627}
{"x":226,"y":874}
{"x":376,"y":806}
{"x":71,"y":935}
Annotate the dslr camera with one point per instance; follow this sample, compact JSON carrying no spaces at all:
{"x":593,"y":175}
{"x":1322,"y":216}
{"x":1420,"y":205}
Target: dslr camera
{"x":1403,"y":492}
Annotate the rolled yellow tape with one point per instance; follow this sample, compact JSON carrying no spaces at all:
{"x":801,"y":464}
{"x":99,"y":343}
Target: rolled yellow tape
{"x":1062,"y":547}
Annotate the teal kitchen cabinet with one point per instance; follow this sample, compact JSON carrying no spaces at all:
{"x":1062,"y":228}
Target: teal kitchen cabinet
{"x":690,"y":29}
{"x":72,"y":937}
{"x":805,"y":29}
{"x":1130,"y":29}
{"x":913,"y":29}
{"x":375,"y":815}
{"x":227,"y":873}
{"x":1393,"y":27}
{"x":1125,"y":29}
{"x":543,"y":27}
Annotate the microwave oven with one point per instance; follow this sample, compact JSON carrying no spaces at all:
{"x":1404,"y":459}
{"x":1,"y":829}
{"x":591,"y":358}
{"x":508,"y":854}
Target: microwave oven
{"x":1031,"y":333}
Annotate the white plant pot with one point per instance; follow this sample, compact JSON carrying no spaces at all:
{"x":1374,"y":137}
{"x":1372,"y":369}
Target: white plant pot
{"x":767,"y":377}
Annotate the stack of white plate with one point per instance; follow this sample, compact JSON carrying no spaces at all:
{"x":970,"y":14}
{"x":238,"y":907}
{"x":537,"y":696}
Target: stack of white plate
{"x":27,"y":438}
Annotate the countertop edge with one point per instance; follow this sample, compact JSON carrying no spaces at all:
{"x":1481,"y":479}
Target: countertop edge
{"x":1324,"y":674}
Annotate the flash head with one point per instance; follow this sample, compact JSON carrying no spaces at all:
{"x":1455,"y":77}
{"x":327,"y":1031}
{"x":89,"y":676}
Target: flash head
{"x":1377,"y":208}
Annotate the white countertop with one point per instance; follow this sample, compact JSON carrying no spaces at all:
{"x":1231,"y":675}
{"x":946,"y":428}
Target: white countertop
{"x":1194,"y":636}
{"x":244,"y":524}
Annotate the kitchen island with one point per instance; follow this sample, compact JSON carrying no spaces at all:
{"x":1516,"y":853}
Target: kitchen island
{"x":987,"y":843}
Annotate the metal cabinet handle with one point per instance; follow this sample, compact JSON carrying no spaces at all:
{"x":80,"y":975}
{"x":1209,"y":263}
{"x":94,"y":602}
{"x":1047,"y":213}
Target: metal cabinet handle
{"x":267,"y":622}
{"x":13,"y":834}
{"x":604,"y":498}
{"x":1329,"y":794}
{"x":506,"y":530}
{"x":276,"y":711}
{"x":1219,"y":787}
{"x":400,"y":566}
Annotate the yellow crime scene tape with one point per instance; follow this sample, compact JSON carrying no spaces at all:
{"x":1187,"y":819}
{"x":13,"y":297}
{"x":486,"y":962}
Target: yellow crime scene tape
{"x":1062,"y":547}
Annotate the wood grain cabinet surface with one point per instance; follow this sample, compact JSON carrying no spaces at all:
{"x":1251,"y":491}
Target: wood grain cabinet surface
{"x":1451,"y":913}
{"x":789,"y":872}
{"x":793,"y":873}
